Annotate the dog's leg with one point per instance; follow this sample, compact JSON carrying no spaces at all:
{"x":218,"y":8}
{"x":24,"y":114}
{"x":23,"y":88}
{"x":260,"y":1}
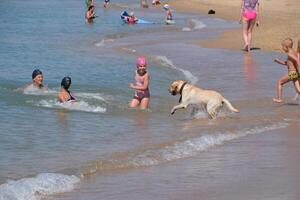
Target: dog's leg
{"x":180,"y":106}
{"x":212,"y":109}
{"x":296,"y":97}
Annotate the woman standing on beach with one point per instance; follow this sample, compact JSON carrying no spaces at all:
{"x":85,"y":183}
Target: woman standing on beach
{"x":249,"y":17}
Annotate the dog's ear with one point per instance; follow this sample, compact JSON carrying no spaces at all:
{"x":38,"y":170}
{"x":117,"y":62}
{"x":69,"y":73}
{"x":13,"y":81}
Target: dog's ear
{"x":175,"y":85}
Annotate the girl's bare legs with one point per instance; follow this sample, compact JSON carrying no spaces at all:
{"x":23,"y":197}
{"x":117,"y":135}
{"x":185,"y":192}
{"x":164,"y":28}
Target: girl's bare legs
{"x":249,"y":34}
{"x":283,"y":80}
{"x":248,"y":26}
{"x":144,"y":103}
{"x":245,"y":33}
{"x":134,"y":103}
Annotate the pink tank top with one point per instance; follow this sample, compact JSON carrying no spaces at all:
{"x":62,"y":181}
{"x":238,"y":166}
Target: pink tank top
{"x":139,"y":81}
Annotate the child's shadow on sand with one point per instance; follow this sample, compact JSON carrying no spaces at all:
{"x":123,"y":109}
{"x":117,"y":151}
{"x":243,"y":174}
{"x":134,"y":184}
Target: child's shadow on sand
{"x":251,"y":49}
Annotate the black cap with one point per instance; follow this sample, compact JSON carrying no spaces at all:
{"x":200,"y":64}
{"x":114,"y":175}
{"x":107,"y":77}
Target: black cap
{"x":66,"y":82}
{"x":36,"y":72}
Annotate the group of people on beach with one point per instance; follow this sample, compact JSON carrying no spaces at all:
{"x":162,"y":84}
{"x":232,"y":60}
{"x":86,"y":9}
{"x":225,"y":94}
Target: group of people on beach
{"x":132,"y":19}
{"x":141,"y":86}
{"x":249,"y":18}
{"x":90,"y":13}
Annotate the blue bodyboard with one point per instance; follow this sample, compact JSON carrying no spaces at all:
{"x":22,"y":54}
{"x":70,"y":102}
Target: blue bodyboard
{"x":125,"y":14}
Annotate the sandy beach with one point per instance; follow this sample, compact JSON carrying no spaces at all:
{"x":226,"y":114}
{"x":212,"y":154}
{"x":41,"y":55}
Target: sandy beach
{"x":278,"y":20}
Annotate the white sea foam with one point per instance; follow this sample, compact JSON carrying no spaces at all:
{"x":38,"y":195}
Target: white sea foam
{"x":36,"y":91}
{"x":199,"y":114}
{"x":97,"y":96}
{"x":99,"y":44}
{"x":129,"y":50}
{"x":76,"y":106}
{"x":296,"y":97}
{"x":186,"y":29}
{"x":164,"y":61}
{"x":37,"y":187}
{"x":103,"y":42}
{"x":191,"y":147}
{"x":196,"y":24}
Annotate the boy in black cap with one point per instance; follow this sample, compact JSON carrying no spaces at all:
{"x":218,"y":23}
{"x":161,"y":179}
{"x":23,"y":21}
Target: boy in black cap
{"x":37,"y":83}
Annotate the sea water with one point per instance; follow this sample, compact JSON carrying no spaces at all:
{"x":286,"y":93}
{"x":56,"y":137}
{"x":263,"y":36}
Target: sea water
{"x":96,"y":146}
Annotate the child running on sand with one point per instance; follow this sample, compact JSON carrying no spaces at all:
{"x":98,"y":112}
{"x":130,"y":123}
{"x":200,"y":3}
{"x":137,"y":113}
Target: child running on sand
{"x":141,"y":86}
{"x":292,"y":65}
{"x":298,"y":56}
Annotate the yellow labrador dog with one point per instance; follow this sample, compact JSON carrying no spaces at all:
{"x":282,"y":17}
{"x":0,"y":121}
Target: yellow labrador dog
{"x":197,"y":96}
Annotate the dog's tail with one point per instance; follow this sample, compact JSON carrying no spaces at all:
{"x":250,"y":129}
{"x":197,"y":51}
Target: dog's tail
{"x":228,"y":104}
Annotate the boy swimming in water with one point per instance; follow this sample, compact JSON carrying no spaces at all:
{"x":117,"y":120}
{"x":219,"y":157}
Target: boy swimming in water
{"x":37,"y":83}
{"x":292,"y":65}
{"x":141,"y":86}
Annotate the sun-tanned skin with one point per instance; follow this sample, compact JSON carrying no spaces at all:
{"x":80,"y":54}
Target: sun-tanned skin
{"x":292,"y":63}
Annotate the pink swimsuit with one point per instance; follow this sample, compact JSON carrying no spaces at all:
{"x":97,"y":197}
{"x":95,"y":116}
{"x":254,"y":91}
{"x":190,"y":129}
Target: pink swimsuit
{"x":249,"y":11}
{"x":140,"y":94}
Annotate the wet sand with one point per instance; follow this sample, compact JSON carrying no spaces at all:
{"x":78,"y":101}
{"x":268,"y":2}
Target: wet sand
{"x":259,"y":166}
{"x":278,"y":20}
{"x":263,"y":166}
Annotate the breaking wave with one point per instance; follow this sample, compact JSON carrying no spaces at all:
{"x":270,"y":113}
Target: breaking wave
{"x":164,"y":61}
{"x":76,"y":106}
{"x":173,"y":151}
{"x":36,"y":188}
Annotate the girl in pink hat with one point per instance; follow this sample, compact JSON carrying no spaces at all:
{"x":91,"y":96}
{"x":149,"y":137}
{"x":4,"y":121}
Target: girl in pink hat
{"x":141,"y":85}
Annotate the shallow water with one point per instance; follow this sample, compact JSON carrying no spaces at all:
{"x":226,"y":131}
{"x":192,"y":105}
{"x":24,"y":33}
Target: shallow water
{"x":98,"y":147}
